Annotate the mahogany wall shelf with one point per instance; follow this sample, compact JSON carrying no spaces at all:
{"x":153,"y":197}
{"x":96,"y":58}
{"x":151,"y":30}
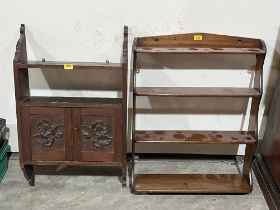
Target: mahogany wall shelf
{"x":69,"y":130}
{"x":198,"y":43}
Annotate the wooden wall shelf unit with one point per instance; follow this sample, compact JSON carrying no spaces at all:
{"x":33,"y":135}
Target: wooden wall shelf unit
{"x":198,"y":43}
{"x":68,"y":130}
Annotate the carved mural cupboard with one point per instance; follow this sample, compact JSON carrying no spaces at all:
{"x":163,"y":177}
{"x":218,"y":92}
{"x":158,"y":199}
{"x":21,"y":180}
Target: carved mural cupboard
{"x":68,"y":130}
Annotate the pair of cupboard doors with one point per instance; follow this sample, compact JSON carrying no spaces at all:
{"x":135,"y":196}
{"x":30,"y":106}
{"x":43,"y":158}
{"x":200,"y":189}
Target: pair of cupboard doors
{"x":71,"y":134}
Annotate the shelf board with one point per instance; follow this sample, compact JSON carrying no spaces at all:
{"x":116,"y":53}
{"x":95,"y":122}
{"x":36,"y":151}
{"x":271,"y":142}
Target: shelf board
{"x":200,"y":50}
{"x":191,"y":183}
{"x":71,"y":101}
{"x":71,"y":163}
{"x":194,"y":137}
{"x":76,"y":65}
{"x":197,"y":91}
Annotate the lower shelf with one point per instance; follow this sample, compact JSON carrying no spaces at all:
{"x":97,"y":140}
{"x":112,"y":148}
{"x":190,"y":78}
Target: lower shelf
{"x":194,"y":137}
{"x":72,"y":163}
{"x":191,"y":183}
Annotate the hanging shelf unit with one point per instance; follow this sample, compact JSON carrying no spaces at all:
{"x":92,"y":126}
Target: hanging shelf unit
{"x":198,"y":44}
{"x":84,"y":131}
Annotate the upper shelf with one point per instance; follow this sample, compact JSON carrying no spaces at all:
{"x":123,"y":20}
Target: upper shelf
{"x":199,"y":43}
{"x":200,"y":50}
{"x":76,"y":65}
{"x":21,"y":61}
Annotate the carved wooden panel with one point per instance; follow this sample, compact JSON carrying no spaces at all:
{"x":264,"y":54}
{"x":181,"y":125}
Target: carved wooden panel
{"x":98,"y":134}
{"x":47,"y":133}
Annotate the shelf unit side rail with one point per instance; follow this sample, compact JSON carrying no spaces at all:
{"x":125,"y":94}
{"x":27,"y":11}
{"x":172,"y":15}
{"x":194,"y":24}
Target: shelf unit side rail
{"x":253,"y":120}
{"x":124,"y":62}
{"x":258,"y":85}
{"x":134,"y":71}
{"x":258,"y":82}
{"x":21,"y":82}
{"x":21,"y":53}
{"x":21,"y":78}
{"x":250,"y":149}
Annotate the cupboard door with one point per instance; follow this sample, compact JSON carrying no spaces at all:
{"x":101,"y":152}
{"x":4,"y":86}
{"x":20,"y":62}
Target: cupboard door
{"x":50,"y":134}
{"x":97,"y":134}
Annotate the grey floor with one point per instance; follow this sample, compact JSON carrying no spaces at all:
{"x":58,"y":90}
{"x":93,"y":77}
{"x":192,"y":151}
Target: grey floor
{"x":95,"y":188}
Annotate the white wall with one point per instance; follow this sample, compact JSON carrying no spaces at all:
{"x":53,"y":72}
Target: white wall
{"x":91,"y":30}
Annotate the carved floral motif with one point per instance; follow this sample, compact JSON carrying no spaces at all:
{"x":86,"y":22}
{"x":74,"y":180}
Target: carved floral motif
{"x":98,"y":132}
{"x":47,"y":132}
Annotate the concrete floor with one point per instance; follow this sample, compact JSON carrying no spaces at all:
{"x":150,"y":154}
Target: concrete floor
{"x":95,"y":188}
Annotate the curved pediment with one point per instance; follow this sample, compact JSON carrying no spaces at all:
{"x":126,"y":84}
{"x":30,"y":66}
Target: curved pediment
{"x":199,"y":43}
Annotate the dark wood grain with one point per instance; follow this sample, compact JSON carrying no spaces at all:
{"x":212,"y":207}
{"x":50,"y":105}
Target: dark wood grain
{"x":95,"y":124}
{"x":200,"y":50}
{"x":50,"y":128}
{"x":197,"y":91}
{"x":194,"y":137}
{"x":46,"y":122}
{"x":21,"y":85}
{"x":21,"y":54}
{"x":191,"y":183}
{"x":213,"y":41}
{"x":76,"y":65}
{"x":124,"y":61}
{"x":71,"y":102}
{"x":198,"y":43}
{"x":68,"y":134}
{"x":25,"y":134}
{"x":75,"y":163}
{"x":76,"y":121}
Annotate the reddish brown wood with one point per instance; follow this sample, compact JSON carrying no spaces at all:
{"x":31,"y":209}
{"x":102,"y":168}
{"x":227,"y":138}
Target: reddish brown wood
{"x":258,"y":79}
{"x":250,"y":149}
{"x":199,"y":43}
{"x":76,"y":65}
{"x":25,"y":134}
{"x":213,"y":41}
{"x":191,"y":183}
{"x":76,"y":113}
{"x":71,"y":102}
{"x":68,"y":134}
{"x":200,"y":50}
{"x":197,"y":91}
{"x":98,"y":134}
{"x":133,"y":126}
{"x":195,"y":137}
{"x":253,"y":121}
{"x":124,"y":61}
{"x":51,"y":128}
{"x":51,"y":134}
{"x":46,"y":110}
{"x":21,"y":84}
{"x":76,"y":163}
